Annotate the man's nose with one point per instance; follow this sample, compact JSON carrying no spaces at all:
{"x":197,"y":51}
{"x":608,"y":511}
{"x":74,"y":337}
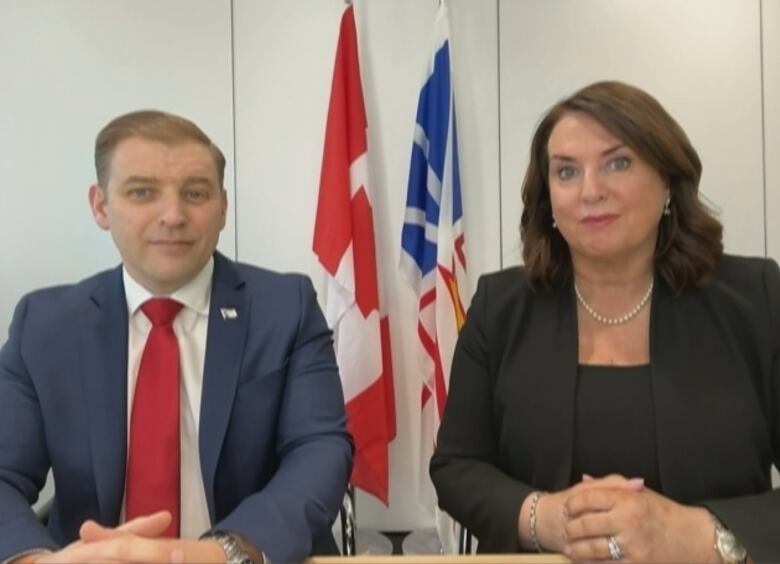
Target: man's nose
{"x":172,"y":213}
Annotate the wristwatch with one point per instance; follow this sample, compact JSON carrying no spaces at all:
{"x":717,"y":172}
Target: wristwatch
{"x":729,"y":548}
{"x":234,"y":552}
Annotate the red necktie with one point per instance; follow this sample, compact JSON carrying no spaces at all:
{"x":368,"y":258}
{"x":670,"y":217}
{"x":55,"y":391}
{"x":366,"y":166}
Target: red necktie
{"x":153,"y":472}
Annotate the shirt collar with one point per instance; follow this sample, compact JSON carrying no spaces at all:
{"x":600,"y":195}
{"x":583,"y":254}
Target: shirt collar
{"x":195,"y":294}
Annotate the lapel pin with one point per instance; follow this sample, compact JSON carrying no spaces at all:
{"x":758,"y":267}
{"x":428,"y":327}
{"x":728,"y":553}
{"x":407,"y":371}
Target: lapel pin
{"x":228,"y":313}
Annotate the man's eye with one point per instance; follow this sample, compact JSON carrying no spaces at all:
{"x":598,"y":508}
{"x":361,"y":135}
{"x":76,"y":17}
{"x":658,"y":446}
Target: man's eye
{"x":619,"y":163}
{"x":566,"y":172}
{"x":139,"y":192}
{"x":195,"y":195}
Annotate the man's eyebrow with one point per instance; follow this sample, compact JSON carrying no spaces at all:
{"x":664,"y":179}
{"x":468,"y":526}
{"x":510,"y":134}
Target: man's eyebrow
{"x":197,"y":180}
{"x":140,"y":180}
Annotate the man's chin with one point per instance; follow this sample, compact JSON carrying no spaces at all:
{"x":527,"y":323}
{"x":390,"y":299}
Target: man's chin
{"x":168,"y":280}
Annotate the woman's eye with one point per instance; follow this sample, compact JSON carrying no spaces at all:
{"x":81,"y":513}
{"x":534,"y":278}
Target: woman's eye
{"x":619,"y":163}
{"x":566,"y":172}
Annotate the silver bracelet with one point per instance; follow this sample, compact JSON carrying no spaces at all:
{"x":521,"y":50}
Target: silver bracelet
{"x":535,"y":497}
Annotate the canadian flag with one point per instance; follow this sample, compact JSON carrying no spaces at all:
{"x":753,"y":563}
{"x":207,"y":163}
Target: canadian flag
{"x":344,"y":245}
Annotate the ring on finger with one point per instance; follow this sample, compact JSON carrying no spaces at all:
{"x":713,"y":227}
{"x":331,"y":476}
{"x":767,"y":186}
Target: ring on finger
{"x":614,"y":549}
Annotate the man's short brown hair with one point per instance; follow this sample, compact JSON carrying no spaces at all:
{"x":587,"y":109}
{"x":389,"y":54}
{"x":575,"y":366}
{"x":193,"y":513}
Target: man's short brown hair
{"x":153,"y":125}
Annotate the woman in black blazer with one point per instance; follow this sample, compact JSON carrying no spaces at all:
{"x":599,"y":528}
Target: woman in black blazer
{"x":618,"y":397}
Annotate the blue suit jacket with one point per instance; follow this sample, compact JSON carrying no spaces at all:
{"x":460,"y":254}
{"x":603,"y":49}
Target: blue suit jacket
{"x":274,"y":450}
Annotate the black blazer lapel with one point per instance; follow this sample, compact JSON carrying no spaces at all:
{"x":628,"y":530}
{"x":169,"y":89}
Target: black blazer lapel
{"x":104,"y":361}
{"x":227,"y":330}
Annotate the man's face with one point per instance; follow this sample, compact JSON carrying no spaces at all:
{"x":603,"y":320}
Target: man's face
{"x":164,"y":208}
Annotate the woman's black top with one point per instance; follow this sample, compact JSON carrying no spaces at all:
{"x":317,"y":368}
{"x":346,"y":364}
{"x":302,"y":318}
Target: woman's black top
{"x":614,"y":424}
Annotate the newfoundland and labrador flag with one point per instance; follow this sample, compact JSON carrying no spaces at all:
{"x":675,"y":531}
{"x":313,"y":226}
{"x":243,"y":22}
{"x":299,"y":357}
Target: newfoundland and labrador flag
{"x":432,"y":252}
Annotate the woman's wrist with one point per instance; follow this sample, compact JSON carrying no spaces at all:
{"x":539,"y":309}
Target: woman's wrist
{"x":533,"y":519}
{"x":524,"y":523}
{"x":528,"y":520}
{"x":701,"y":535}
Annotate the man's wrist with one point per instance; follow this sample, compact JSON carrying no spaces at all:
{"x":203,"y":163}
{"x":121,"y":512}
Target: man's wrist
{"x":235,"y":549}
{"x":28,"y":556}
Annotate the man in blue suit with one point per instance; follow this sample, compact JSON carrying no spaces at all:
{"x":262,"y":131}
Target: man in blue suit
{"x":264,"y":451}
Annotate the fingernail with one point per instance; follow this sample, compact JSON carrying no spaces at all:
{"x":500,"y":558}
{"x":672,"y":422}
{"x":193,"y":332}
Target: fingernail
{"x":567,"y":550}
{"x":177,"y":556}
{"x":637,"y":482}
{"x":587,"y":477}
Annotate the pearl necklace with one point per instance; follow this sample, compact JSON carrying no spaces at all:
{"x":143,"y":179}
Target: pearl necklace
{"x":614,"y":320}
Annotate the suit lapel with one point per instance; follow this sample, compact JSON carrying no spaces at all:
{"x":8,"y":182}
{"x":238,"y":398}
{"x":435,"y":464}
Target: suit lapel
{"x":104,"y":357}
{"x":227,"y":329}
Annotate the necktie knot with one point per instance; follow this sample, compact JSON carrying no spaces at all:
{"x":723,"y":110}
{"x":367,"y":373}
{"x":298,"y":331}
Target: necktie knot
{"x":161,"y":311}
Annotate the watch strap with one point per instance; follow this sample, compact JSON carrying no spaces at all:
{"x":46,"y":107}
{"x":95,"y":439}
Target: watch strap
{"x":232,"y":547}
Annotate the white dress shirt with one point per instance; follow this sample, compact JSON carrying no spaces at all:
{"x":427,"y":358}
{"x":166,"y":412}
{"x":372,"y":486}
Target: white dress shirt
{"x":190,"y":327}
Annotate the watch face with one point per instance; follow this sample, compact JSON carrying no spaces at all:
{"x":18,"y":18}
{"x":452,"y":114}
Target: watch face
{"x":730,"y":548}
{"x":234,"y":553}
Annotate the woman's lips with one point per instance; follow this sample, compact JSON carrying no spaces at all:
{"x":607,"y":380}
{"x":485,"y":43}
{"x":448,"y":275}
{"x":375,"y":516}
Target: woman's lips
{"x":599,"y":220}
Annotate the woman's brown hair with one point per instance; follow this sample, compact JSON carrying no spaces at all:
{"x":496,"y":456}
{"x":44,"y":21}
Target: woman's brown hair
{"x":689,"y":244}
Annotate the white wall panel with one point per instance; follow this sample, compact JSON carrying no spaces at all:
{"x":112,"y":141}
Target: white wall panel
{"x":770,"y":17}
{"x":699,"y":58}
{"x":284,"y":62}
{"x":771,"y":57}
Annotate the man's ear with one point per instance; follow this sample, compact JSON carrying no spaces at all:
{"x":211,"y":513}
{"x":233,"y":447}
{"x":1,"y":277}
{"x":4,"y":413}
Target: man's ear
{"x":223,"y":196}
{"x":97,"y":203}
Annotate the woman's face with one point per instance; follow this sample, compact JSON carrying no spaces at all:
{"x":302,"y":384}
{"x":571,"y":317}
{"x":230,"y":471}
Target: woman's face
{"x":606,"y":200}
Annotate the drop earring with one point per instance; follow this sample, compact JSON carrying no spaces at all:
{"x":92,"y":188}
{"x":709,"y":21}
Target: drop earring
{"x":667,"y":210}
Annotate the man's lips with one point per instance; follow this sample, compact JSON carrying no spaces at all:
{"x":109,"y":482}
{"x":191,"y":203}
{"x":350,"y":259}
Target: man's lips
{"x":175,"y":243}
{"x":599,"y":220}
